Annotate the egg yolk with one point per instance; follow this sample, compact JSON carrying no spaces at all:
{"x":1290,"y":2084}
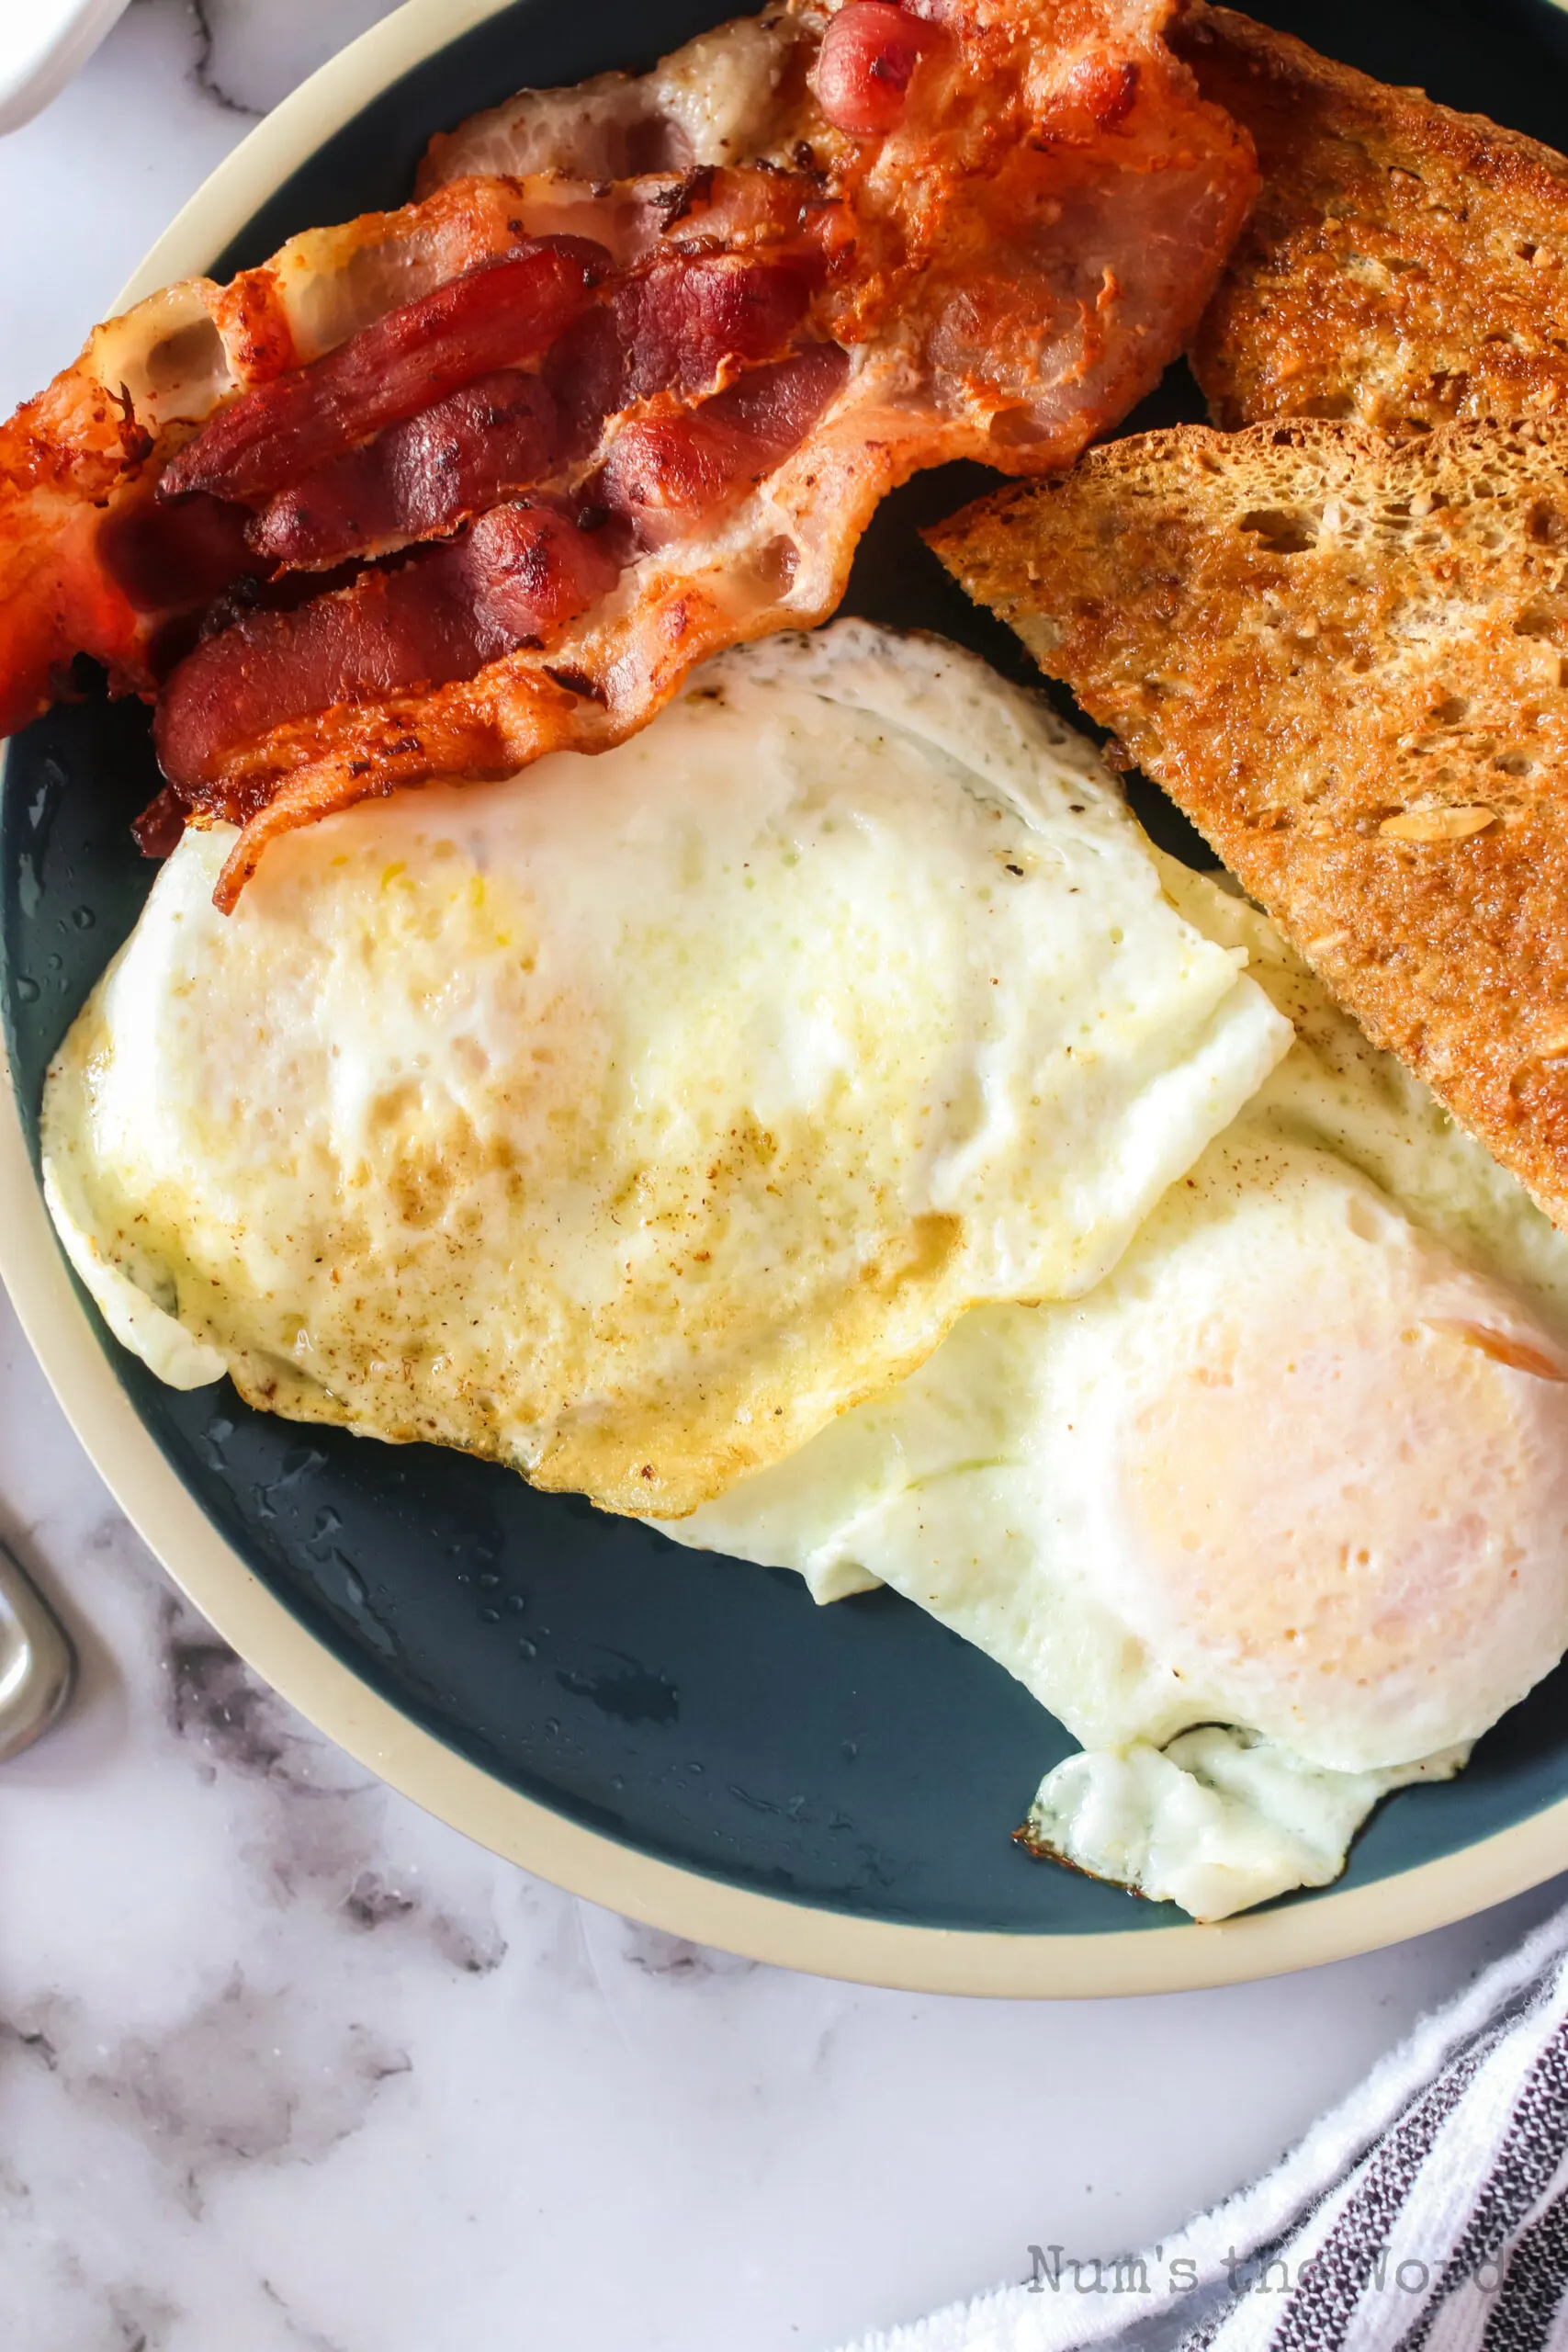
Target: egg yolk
{"x":1327,"y":1512}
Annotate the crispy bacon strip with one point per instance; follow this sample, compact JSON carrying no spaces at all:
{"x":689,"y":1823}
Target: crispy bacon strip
{"x":497,"y":435}
{"x":168,"y":558}
{"x":517,"y":577}
{"x":671,"y":474}
{"x":868,"y":57}
{"x":824,"y":248}
{"x":494,"y":316}
{"x":684,"y":320}
{"x":675,"y":327}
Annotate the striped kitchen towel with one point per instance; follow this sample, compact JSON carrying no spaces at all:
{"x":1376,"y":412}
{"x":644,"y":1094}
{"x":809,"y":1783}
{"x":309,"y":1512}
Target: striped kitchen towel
{"x":1428,"y":2213}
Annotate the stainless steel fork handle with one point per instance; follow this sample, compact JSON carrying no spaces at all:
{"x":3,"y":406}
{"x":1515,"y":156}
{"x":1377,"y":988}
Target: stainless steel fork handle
{"x":38,"y":1665}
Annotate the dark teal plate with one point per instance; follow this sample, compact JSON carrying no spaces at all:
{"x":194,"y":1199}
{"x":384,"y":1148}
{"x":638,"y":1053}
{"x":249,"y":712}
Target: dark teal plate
{"x":858,"y":1758}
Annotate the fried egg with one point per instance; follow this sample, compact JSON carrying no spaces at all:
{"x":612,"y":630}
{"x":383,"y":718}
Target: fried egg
{"x":631,"y":1121}
{"x":1275,"y":1519}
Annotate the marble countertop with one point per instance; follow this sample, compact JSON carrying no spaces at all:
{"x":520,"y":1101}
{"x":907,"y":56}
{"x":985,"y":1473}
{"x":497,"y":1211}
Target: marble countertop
{"x":289,"y":2064}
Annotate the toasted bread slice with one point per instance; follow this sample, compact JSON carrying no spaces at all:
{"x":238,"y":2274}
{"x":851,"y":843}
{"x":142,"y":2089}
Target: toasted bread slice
{"x":1347,"y":658}
{"x":1404,"y":264}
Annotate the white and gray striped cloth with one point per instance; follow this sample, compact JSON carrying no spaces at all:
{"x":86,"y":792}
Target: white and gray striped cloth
{"x":1429,"y":2213}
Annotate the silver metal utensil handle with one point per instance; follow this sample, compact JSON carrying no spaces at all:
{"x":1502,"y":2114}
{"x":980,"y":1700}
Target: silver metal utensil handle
{"x":38,"y":1665}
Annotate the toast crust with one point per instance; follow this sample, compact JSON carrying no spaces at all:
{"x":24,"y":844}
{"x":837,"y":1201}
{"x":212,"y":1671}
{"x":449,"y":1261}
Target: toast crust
{"x":1404,"y":263}
{"x":1345,"y":657}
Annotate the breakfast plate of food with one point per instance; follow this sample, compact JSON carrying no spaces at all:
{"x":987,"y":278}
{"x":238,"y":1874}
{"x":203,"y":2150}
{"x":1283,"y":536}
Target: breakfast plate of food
{"x":781,"y":897}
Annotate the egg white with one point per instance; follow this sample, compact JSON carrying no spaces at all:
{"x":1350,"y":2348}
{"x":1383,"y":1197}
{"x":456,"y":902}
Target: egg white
{"x":1275,"y":1518}
{"x":629,"y":1120}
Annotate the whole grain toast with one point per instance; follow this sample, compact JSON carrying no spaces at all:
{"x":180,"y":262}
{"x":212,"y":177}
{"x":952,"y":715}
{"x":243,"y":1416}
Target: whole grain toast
{"x":1345,"y":656}
{"x":1404,"y":264}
